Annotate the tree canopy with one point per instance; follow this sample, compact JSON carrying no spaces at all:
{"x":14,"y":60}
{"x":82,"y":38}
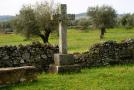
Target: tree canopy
{"x":127,"y":20}
{"x":102,"y":17}
{"x":36,"y":20}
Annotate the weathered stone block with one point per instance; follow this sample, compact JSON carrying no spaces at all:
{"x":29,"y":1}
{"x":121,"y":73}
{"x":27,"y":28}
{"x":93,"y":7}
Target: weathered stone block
{"x":63,"y":59}
{"x":18,"y":74}
{"x":64,"y":68}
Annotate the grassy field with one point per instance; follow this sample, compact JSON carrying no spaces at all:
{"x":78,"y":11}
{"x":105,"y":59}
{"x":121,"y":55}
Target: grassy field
{"x":78,"y":41}
{"x":105,"y":78}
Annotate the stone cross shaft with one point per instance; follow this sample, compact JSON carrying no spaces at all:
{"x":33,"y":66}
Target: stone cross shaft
{"x":63,"y":19}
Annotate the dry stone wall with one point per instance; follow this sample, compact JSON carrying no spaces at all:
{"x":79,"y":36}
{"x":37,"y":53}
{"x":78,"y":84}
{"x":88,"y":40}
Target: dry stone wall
{"x":107,"y":53}
{"x":41,"y":56}
{"x":36,"y":54}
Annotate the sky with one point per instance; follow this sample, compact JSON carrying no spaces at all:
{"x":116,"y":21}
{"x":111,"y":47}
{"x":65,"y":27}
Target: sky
{"x":12,"y":7}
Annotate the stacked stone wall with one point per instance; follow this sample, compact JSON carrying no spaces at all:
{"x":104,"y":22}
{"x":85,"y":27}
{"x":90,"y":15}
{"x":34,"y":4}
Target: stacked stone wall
{"x":107,"y":53}
{"x":36,"y":54}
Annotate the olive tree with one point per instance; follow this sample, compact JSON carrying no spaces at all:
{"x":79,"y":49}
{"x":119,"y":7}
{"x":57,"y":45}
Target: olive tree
{"x":25,"y":22}
{"x":43,"y":13}
{"x":102,"y":17}
{"x":36,"y":20}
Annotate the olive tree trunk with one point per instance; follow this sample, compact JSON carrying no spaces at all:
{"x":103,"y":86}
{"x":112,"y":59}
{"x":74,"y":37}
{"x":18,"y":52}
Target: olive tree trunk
{"x":45,"y":37}
{"x":102,"y":32}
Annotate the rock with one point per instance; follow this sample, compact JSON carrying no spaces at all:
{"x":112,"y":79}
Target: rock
{"x":44,"y":56}
{"x":22,"y":61}
{"x":17,"y":74}
{"x":6,"y":57}
{"x":26,"y":56}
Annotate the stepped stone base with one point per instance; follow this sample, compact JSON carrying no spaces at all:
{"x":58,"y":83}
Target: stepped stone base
{"x":63,"y":63}
{"x":63,"y":59}
{"x":64,"y":69}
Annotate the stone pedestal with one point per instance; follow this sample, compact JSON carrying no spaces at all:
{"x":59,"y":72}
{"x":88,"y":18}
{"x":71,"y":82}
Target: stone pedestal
{"x":63,"y":59}
{"x":64,"y":63}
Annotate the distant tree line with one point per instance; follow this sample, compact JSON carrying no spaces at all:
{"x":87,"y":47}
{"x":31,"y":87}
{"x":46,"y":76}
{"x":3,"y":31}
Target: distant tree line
{"x":126,"y":21}
{"x":6,"y":26}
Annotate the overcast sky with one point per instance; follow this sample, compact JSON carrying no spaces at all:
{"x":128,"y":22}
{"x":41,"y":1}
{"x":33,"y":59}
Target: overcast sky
{"x":12,"y":7}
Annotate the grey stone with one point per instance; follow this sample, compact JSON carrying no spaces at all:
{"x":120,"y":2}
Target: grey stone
{"x":6,"y":58}
{"x":64,"y":68}
{"x":63,"y":17}
{"x":18,"y":74}
{"x":63,"y":59}
{"x":44,"y":56}
{"x":26,"y":56}
{"x":22,"y":61}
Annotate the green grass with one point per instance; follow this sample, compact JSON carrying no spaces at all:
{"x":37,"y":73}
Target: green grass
{"x":78,"y":41}
{"x":104,"y":78}
{"x":12,"y":39}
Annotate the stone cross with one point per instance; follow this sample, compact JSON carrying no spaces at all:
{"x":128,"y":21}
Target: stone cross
{"x":63,"y":18}
{"x":63,"y":62}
